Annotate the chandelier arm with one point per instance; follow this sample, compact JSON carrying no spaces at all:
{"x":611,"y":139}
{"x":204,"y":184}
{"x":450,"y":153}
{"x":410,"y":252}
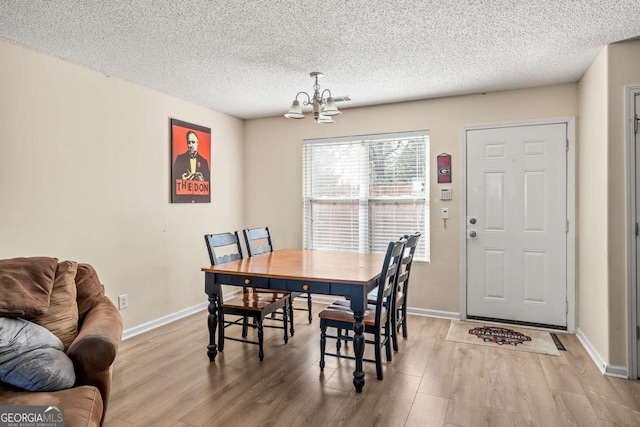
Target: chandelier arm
{"x":308,"y":101}
{"x":323,"y":97}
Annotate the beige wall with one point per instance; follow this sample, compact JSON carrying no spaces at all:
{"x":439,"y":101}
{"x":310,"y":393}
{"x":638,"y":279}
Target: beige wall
{"x":273,"y":185}
{"x":602,"y":206}
{"x":592,"y":212}
{"x":84,"y":175}
{"x":624,"y":70}
{"x":84,"y":171}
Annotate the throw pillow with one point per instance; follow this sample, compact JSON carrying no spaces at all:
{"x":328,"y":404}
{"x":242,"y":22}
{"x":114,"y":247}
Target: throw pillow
{"x":62,"y":316}
{"x":31,"y":357}
{"x":90,"y":290}
{"x":25,"y":286}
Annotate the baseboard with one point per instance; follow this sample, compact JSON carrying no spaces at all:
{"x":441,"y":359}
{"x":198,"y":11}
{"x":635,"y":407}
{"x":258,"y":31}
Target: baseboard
{"x":591,"y":351}
{"x":605,"y":369}
{"x":617,"y":371}
{"x":328,"y":299}
{"x":146,"y":327}
{"x":433,"y":313}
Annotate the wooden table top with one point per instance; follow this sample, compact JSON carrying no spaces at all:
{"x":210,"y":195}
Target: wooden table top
{"x":300,"y":264}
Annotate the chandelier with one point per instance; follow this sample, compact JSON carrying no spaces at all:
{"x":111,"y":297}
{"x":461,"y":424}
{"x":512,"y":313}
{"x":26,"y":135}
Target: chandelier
{"x":323,"y":108}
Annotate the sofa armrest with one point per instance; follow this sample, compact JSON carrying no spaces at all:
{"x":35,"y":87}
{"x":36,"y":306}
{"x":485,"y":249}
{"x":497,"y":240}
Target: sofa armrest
{"x":94,"y":349}
{"x":96,"y":345}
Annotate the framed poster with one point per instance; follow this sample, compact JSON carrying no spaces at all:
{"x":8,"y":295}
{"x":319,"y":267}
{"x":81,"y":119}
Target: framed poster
{"x":190,"y":160}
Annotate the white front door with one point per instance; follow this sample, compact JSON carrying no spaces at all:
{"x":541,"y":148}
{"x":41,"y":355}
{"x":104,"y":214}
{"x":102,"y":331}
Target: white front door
{"x":516,"y":223}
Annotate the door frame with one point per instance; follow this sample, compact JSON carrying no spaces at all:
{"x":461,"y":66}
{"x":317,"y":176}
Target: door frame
{"x":569,"y":121}
{"x":632,"y":290}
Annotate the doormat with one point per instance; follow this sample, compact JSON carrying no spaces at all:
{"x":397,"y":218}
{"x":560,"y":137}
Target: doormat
{"x":500,"y":336}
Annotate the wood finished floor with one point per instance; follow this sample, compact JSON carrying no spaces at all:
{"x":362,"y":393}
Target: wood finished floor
{"x":164,"y":378}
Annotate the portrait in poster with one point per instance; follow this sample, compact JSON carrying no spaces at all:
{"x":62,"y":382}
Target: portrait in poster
{"x":190,"y":163}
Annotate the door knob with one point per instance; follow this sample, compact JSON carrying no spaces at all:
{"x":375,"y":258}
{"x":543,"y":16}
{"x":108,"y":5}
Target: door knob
{"x":472,"y":233}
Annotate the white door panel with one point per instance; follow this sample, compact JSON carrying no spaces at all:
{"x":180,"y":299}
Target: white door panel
{"x":516,"y":195}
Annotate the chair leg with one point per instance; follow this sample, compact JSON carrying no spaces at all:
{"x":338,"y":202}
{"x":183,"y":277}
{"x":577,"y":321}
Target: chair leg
{"x":221,"y":331}
{"x":393,"y":330}
{"x":291,"y":331}
{"x":338,"y":343}
{"x":309,"y":306}
{"x":260,"y":340}
{"x":323,"y":343}
{"x":404,"y":319}
{"x":378,"y":353}
{"x":245,"y":326}
{"x":389,"y":331}
{"x":285,"y":318}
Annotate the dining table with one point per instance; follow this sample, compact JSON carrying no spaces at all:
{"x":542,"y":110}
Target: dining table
{"x":340,"y":273}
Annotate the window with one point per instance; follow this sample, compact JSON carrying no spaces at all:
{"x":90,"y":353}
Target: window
{"x":362,"y":192}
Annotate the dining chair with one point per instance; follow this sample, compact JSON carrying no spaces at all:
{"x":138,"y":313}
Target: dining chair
{"x":377,"y":319}
{"x":258,"y":242}
{"x":400,"y":309}
{"x":250,"y":304}
{"x":399,"y":312}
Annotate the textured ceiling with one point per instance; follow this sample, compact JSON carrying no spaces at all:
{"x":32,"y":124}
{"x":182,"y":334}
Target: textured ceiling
{"x":249,"y":58}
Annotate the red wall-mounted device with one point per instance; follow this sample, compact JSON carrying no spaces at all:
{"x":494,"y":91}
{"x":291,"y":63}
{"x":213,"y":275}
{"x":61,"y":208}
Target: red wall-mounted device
{"x":444,"y":168}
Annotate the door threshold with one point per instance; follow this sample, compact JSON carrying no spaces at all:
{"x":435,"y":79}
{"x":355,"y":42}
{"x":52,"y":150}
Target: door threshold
{"x":518,"y":322}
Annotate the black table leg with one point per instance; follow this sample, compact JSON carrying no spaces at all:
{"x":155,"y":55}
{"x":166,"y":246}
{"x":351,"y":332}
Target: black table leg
{"x":212,"y":322}
{"x":215,"y":318}
{"x":358,"y":348}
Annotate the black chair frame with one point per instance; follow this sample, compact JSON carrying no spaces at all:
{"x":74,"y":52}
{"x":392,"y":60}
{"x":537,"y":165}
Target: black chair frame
{"x":399,"y":314}
{"x":250,"y":305}
{"x":380,"y":328}
{"x":252,"y":235}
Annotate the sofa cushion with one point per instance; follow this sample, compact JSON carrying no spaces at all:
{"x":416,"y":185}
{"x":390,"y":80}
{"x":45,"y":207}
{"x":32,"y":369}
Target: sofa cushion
{"x":31,"y":357}
{"x":82,"y":405}
{"x":62,"y":316}
{"x":90,"y":290}
{"x":25,"y":286}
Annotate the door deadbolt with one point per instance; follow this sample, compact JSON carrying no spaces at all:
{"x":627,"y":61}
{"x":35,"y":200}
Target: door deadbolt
{"x":472,"y":221}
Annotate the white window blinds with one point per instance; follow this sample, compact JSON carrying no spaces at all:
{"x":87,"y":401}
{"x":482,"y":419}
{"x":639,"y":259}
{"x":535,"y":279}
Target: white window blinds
{"x":362,"y":192}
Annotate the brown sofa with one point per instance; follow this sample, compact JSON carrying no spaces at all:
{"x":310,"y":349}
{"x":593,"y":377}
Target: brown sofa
{"x":92,"y":347}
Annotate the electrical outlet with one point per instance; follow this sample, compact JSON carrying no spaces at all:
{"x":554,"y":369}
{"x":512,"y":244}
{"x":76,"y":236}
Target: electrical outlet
{"x":123,"y":301}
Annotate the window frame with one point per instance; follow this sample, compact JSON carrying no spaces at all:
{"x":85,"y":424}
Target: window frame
{"x":367,"y":201}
